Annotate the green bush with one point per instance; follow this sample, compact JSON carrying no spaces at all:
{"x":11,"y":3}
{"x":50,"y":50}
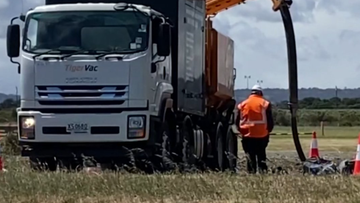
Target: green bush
{"x":10,"y":144}
{"x":8,"y":115}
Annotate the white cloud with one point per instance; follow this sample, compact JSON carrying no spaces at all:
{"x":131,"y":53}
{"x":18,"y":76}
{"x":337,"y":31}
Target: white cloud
{"x":326,"y":41}
{"x":327,"y":37}
{"x":4,"y":4}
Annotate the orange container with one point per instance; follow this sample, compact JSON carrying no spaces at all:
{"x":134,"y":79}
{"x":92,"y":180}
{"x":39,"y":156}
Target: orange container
{"x":219,"y":72}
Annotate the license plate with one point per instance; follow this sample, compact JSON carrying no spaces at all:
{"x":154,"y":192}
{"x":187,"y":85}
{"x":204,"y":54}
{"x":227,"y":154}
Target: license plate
{"x":77,"y":128}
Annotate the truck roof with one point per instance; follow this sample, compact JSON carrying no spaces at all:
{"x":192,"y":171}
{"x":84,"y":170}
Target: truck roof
{"x":84,"y":7}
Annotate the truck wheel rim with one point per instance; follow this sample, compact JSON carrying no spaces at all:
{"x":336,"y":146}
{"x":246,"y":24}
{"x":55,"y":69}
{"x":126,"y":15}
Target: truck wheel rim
{"x":187,"y":150}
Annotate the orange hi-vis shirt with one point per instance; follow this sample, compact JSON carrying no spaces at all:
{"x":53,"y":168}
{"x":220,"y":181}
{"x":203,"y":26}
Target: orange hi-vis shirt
{"x":253,"y":121}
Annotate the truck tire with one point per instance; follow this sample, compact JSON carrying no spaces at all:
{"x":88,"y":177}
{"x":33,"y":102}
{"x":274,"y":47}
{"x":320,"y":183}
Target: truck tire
{"x":70,"y":164}
{"x":231,"y":150}
{"x":220,"y":151}
{"x":188,"y":147}
{"x":43,"y":164}
{"x":165,"y":146}
{"x":199,"y":143}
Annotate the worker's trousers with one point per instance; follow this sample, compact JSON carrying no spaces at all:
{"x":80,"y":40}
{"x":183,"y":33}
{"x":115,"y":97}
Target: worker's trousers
{"x":255,"y":150}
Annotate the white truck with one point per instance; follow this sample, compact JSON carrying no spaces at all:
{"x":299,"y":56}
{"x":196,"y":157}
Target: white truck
{"x":100,"y":79}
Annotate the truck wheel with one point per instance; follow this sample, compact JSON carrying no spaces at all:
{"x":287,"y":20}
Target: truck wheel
{"x":165,"y":144}
{"x":188,"y":149}
{"x":199,"y":143}
{"x":43,"y":164}
{"x":106,"y":166}
{"x":231,"y":149}
{"x":70,"y":164}
{"x":219,"y":155}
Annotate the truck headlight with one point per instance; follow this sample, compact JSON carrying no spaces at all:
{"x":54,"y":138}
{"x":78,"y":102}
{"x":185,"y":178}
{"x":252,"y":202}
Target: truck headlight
{"x":136,"y":126}
{"x":27,"y":127}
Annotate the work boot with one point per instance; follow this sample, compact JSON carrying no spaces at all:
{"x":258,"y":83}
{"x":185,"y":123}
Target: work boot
{"x":251,"y":165}
{"x":263,"y":168}
{"x":263,"y":171}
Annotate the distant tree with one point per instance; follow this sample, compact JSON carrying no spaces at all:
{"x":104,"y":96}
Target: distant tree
{"x":317,"y":103}
{"x":8,"y":103}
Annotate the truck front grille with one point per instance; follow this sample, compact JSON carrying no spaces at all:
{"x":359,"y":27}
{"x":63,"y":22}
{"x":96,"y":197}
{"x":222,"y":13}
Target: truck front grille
{"x":82,"y":95}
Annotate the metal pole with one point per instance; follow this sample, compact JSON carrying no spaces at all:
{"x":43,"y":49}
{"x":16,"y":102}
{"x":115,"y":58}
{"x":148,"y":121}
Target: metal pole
{"x":336,"y":96}
{"x":247,"y":78}
{"x":336,"y":92}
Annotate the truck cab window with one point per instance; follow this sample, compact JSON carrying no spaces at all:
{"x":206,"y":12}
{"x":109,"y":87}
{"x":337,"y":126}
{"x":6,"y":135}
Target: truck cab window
{"x":95,"y":31}
{"x":106,"y":38}
{"x":31,"y":40}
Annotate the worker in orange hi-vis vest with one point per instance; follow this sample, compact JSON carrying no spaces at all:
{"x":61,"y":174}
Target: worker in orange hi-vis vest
{"x":255,"y":122}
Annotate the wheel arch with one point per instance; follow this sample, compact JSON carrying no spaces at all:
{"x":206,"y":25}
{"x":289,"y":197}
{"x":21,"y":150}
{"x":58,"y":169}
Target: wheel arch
{"x":163,"y":98}
{"x":165,"y":106}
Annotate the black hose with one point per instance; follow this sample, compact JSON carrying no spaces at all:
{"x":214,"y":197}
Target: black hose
{"x":293,"y":78}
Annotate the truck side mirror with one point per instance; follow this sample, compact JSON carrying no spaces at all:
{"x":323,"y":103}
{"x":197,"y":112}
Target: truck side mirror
{"x":164,"y":40}
{"x":13,"y":40}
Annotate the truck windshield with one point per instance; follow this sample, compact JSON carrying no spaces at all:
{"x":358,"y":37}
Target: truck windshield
{"x":82,"y":31}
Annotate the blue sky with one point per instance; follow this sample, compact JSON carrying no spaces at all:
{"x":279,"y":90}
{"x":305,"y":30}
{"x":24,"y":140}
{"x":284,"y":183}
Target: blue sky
{"x":327,"y":36}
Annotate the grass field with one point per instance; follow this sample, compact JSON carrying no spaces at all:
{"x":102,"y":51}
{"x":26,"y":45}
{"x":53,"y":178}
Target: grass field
{"x":334,"y":139}
{"x":20,"y":184}
{"x":329,"y":132}
{"x":286,"y":144}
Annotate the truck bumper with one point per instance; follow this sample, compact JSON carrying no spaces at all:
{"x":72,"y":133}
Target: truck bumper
{"x":93,"y":150}
{"x":100,"y":128}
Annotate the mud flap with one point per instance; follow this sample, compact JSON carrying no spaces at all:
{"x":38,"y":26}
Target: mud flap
{"x":319,"y":167}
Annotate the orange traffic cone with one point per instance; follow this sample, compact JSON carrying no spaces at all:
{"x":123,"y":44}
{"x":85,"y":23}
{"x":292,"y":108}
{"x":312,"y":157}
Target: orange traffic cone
{"x":357,"y":159}
{"x":314,"y":151}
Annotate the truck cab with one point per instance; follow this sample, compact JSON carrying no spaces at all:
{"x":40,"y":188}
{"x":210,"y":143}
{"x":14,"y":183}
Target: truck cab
{"x":92,"y":76}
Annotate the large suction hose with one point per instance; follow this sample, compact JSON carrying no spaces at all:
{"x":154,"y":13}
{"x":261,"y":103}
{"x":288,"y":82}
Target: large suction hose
{"x":292,"y":68}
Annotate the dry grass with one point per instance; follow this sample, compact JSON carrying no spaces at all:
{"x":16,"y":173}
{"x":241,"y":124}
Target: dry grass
{"x":20,"y":184}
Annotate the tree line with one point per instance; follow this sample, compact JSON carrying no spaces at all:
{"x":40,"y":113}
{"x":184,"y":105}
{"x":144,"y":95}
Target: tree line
{"x":313,"y":117}
{"x":9,"y":103}
{"x":317,"y":103}
{"x":306,"y":103}
{"x":334,"y":112}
